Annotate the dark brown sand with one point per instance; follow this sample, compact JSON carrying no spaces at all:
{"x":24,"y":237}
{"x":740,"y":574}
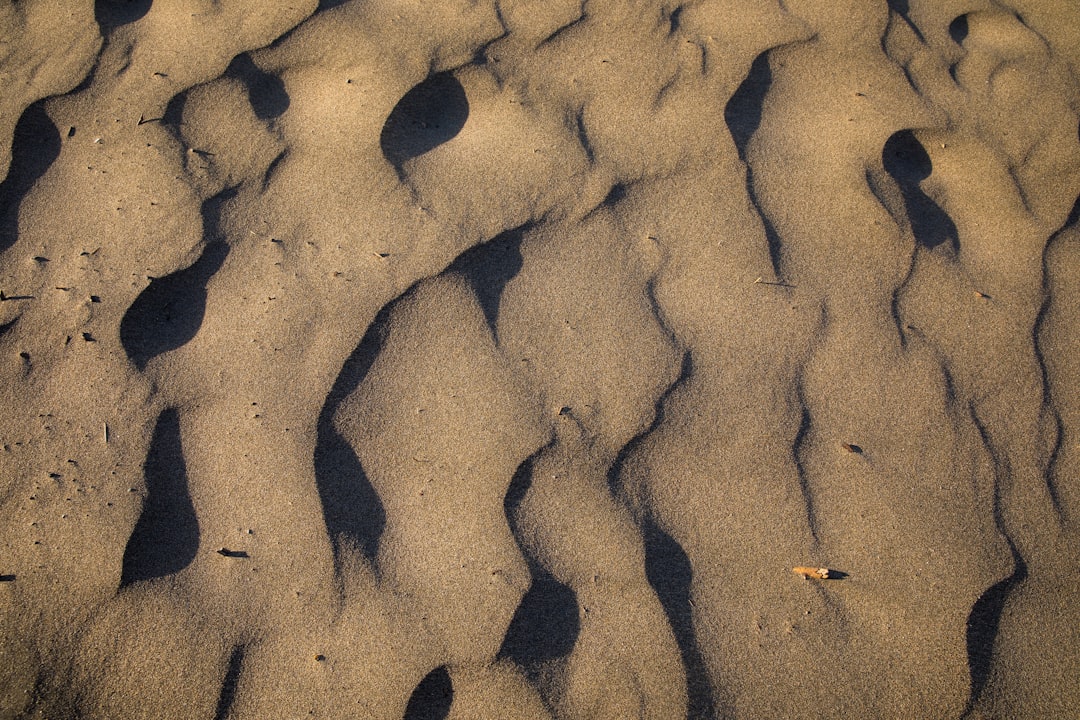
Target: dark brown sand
{"x":502,"y":358}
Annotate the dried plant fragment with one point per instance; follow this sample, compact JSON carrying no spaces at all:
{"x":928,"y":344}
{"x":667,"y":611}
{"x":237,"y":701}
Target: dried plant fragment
{"x":813,"y":573}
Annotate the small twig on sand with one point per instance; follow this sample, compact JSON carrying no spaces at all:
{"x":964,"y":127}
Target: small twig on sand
{"x":761,"y":281}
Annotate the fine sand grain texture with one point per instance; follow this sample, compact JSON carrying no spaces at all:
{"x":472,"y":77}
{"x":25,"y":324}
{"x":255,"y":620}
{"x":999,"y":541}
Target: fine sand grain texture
{"x":539,"y":359}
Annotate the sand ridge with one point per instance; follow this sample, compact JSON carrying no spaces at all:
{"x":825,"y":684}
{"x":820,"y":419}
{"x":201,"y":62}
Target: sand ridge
{"x":501,"y":359}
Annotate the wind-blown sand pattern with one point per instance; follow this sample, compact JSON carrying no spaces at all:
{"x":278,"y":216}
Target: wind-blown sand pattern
{"x":502,"y":359}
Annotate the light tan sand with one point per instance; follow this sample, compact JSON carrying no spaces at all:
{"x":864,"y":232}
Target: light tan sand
{"x":502,"y":358}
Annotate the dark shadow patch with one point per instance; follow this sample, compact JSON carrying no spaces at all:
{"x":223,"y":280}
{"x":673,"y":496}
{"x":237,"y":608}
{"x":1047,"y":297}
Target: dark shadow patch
{"x":327,"y":4}
{"x":669,"y":572}
{"x":675,"y":20}
{"x":545,"y":626}
{"x":901,"y":7}
{"x":1074,"y":214}
{"x":907,"y":161}
{"x":168,"y":313}
{"x":958,"y":29}
{"x":489,"y":267}
{"x":6,"y":327}
{"x":7,"y":578}
{"x":432,"y":698}
{"x":615,"y":195}
{"x":427,"y":116}
{"x":174,"y":111}
{"x":111,"y":14}
{"x":166,"y":536}
{"x":904,"y":157}
{"x":983,"y":623}
{"x":351,"y":508}
{"x":743,"y":111}
{"x":266,"y":91}
{"x":35,"y":146}
{"x":229,"y":683}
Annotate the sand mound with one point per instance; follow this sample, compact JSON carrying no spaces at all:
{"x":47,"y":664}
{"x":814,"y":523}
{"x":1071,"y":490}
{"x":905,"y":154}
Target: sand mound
{"x":500,"y":359}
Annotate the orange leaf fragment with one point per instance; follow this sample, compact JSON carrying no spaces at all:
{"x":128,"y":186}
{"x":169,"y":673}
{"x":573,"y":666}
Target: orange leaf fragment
{"x":814,"y":573}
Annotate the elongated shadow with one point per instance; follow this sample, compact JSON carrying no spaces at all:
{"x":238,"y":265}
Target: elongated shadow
{"x":985,"y":616}
{"x":546,"y":625}
{"x":669,"y":572}
{"x":903,"y":9}
{"x":519,"y":487}
{"x":1052,"y":393}
{"x":907,"y":161}
{"x":982,"y":626}
{"x":351,"y":507}
{"x":228,"y":685}
{"x":166,"y":536}
{"x":35,"y":146}
{"x":432,"y":698}
{"x":168,"y":313}
{"x":797,"y":448}
{"x":489,"y":267}
{"x":615,"y":195}
{"x":743,"y":117}
{"x":266,"y":91}
{"x":427,"y":116}
{"x":614,"y":475}
{"x":1074,"y":215}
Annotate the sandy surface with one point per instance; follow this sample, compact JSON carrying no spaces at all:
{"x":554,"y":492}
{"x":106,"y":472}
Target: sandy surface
{"x":502,"y":358}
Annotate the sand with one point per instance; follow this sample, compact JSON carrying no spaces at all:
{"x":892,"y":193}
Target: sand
{"x":503,"y":358}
